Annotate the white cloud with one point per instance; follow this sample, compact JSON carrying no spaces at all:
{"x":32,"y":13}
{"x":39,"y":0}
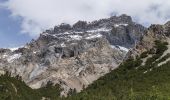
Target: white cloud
{"x":42,"y":14}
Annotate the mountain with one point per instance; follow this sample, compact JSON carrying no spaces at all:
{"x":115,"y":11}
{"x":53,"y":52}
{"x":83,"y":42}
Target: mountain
{"x":145,"y":75}
{"x":73,"y":56}
{"x":110,"y":59}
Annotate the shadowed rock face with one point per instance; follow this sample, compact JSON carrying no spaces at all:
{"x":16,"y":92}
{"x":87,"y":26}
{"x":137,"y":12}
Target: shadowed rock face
{"x":73,"y":56}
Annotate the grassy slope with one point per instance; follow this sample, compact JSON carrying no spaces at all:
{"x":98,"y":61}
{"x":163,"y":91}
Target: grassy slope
{"x":128,"y":82}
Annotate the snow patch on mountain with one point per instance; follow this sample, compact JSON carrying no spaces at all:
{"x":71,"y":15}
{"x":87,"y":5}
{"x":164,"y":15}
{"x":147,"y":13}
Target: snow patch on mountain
{"x":99,"y":30}
{"x":13,"y":57}
{"x":117,"y":25}
{"x":123,"y":48}
{"x":92,"y":36}
{"x":119,"y":47}
{"x":76,"y":37}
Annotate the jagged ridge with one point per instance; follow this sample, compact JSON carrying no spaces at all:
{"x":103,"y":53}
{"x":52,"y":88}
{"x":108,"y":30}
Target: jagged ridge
{"x":73,"y":56}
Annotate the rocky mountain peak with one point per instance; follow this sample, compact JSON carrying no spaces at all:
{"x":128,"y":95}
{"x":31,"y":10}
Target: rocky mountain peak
{"x":102,"y":23}
{"x":118,"y":30}
{"x":73,"y":55}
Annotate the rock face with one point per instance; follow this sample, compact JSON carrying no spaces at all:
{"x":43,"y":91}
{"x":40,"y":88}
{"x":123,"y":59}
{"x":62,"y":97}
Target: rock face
{"x":147,"y":42}
{"x":73,"y":56}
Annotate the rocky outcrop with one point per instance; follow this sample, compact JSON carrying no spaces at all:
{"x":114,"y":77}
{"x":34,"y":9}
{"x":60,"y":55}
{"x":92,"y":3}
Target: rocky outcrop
{"x":147,"y":42}
{"x":73,"y":56}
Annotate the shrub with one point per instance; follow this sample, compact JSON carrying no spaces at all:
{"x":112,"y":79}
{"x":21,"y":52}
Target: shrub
{"x":144,"y":54}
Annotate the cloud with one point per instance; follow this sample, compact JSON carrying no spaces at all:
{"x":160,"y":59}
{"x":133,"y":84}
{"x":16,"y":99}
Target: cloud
{"x":38,"y":15}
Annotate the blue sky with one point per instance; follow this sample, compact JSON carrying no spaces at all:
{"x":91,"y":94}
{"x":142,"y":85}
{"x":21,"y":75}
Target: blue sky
{"x":23,"y":20}
{"x":10,"y":35}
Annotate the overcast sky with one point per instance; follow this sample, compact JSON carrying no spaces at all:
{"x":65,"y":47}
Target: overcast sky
{"x":22,"y":20}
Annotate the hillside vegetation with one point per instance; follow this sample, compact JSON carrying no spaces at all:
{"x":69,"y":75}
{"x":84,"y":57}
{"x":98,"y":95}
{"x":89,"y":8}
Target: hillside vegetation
{"x":131,"y":81}
{"x":12,"y":88}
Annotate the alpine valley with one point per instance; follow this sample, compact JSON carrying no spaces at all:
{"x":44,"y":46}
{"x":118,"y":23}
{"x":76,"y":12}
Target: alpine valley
{"x":107,"y":59}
